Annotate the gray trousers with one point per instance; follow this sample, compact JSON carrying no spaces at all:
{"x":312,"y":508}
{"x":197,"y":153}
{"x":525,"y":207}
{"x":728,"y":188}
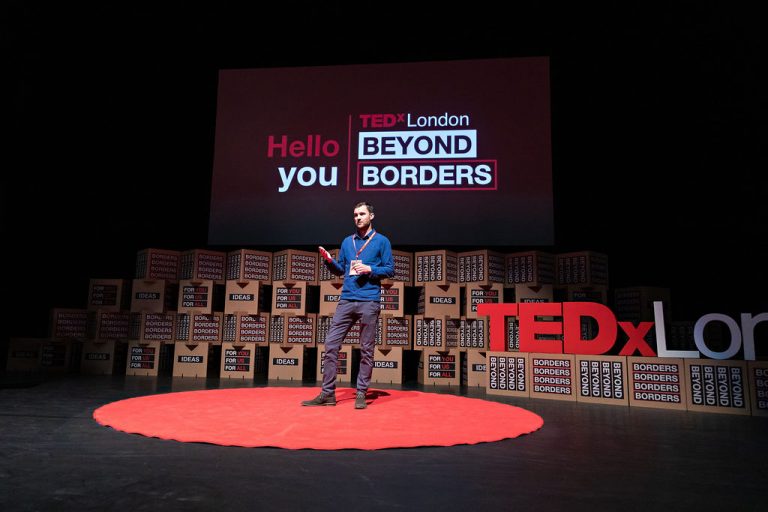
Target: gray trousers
{"x":347,"y":313}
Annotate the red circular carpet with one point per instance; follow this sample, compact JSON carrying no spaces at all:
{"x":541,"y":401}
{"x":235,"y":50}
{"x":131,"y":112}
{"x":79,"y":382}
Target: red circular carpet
{"x":273,"y":416}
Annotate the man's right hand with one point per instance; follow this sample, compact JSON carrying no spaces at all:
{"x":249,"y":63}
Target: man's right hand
{"x":325,"y":254}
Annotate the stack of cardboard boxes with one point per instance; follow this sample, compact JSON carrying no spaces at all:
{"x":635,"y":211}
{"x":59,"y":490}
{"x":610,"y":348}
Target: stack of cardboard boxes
{"x":437,"y":322}
{"x":292,"y":329}
{"x":199,"y":319}
{"x":246,"y":321}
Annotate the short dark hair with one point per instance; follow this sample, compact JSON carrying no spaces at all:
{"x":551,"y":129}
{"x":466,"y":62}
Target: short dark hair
{"x":367,"y":205}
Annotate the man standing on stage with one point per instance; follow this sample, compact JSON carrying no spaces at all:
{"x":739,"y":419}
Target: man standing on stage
{"x":364,"y":259}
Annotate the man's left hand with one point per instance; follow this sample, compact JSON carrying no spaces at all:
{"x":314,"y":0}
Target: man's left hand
{"x":361,"y":268}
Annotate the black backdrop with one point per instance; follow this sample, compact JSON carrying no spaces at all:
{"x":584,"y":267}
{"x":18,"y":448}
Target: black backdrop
{"x":657,"y":132}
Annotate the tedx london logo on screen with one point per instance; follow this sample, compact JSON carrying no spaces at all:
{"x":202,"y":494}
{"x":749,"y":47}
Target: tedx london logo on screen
{"x":389,"y":152}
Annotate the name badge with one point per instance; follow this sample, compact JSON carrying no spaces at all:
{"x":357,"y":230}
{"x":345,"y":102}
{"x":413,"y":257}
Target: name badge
{"x":352,"y":264}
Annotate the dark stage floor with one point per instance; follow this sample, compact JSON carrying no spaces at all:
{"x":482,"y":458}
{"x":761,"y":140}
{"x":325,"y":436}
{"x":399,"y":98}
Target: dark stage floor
{"x":586,"y":457}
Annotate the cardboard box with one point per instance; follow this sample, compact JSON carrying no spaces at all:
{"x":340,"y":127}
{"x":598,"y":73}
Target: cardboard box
{"x":525,"y":293}
{"x":156,"y":296}
{"x":165,"y":358}
{"x":392,"y":299}
{"x":758,"y":387}
{"x":512,"y":334}
{"x":203,"y":265}
{"x":248,"y":265}
{"x":241,"y":328}
{"x":191,"y":360}
{"x":439,"y":300}
{"x":294,"y":266}
{"x":143,"y":359}
{"x":25,"y":354}
{"x":396,"y":332}
{"x":103,"y":357}
{"x":481,"y":294}
{"x":244,"y":297}
{"x":714,"y":385}
{"x":403,"y":269}
{"x":195,"y":296}
{"x":343,"y":365}
{"x":508,"y":374}
{"x":635,"y":303}
{"x":602,"y":379}
{"x":440,"y":333}
{"x":482,"y":267}
{"x":108,"y":294}
{"x":436,"y":267}
{"x":69,"y":324}
{"x":553,"y":376}
{"x":109,"y":325}
{"x":680,"y":335}
{"x":474,"y":364}
{"x":160,"y":327}
{"x":474,"y":334}
{"x":60,"y":356}
{"x":289,"y":330}
{"x":238,"y":360}
{"x":656,"y":382}
{"x":387,"y":365}
{"x":587,"y":268}
{"x":440,"y":367}
{"x":530,"y":268}
{"x":597,"y":294}
{"x":330,"y":295}
{"x":286,"y":363}
{"x":158,"y":264}
{"x":323,"y":325}
{"x":289,"y":298}
{"x":194,"y":328}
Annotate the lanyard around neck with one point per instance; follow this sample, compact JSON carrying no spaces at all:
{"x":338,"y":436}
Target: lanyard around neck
{"x":357,"y":253}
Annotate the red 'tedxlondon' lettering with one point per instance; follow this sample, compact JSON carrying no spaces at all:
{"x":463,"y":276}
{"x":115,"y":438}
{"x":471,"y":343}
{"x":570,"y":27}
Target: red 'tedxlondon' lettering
{"x":538,"y":319}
